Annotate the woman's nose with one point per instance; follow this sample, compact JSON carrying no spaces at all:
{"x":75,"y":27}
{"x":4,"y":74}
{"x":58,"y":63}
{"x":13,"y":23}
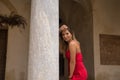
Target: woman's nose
{"x":65,"y":36}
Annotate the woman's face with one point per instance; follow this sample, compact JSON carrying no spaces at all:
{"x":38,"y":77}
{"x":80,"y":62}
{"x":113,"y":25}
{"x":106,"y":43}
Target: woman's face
{"x":67,"y":36}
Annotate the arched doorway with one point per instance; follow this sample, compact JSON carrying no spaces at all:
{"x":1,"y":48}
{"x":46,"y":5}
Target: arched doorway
{"x":78,"y":15}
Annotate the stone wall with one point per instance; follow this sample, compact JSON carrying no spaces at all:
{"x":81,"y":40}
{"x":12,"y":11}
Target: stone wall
{"x":106,"y":17}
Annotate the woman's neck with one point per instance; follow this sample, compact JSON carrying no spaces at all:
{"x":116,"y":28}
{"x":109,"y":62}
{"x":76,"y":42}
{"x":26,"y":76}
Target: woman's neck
{"x":69,"y":41}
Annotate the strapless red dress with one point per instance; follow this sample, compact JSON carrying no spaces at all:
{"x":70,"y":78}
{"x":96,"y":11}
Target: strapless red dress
{"x":80,"y":72}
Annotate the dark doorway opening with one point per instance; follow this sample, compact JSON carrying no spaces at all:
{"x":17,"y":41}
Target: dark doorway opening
{"x":3,"y":50}
{"x":77,"y":14}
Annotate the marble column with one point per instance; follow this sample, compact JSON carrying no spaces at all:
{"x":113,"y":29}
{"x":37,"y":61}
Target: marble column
{"x":43,"y":59}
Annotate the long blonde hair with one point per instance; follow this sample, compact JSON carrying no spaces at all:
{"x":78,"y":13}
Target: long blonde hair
{"x":63,"y":46}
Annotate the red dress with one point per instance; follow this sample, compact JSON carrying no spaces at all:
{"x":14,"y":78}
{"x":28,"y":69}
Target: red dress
{"x":80,"y":72}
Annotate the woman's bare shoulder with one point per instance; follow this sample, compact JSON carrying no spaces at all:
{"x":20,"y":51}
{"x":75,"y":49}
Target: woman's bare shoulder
{"x":73,"y":43}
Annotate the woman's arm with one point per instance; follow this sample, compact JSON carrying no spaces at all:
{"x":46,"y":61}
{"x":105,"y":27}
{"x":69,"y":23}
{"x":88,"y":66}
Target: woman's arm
{"x":72,"y":48}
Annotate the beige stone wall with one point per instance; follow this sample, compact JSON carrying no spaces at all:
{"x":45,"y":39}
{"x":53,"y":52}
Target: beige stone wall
{"x":18,"y":39}
{"x":106,"y":19}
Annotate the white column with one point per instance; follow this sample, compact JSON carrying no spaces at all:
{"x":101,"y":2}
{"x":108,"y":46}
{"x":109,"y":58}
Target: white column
{"x":43,"y":61}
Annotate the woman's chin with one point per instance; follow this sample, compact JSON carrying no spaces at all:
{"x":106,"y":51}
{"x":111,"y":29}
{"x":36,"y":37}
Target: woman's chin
{"x":66,"y":40}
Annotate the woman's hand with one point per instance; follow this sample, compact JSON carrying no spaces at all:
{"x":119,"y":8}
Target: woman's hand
{"x":63,"y":27}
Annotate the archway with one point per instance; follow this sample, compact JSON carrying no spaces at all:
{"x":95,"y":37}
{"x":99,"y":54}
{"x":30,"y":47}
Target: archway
{"x":78,"y":15}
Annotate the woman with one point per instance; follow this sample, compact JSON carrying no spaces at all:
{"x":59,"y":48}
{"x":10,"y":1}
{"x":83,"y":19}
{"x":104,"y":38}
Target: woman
{"x":71,"y":47}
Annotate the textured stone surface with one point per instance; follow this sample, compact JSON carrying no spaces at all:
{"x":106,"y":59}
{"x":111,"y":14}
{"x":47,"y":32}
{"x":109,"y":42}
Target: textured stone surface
{"x":109,"y":49}
{"x":43,"y":51}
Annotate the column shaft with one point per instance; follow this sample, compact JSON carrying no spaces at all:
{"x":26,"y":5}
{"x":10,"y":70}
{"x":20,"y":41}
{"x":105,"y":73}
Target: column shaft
{"x":43,"y":61}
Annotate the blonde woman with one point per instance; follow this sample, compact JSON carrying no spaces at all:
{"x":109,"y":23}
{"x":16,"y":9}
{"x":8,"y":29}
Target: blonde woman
{"x":71,"y":47}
